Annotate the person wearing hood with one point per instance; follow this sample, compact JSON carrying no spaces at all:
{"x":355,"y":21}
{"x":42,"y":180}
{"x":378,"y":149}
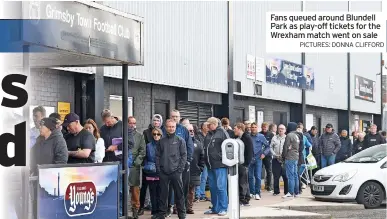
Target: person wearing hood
{"x":157,"y":122}
{"x":149,"y":172}
{"x":196,"y":168}
{"x":373,"y":138}
{"x":217,"y":171}
{"x":136,"y":143}
{"x":329,"y":145}
{"x":291,"y":155}
{"x":346,"y":147}
{"x":111,"y":129}
{"x":243,"y":171}
{"x":50,"y":146}
{"x":261,"y":148}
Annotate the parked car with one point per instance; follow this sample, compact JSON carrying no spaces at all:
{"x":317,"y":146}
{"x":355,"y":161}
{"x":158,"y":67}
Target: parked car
{"x":361,"y":177}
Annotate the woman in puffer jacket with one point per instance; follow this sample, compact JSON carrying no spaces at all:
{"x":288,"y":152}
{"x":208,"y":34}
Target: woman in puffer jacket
{"x":151,"y":176}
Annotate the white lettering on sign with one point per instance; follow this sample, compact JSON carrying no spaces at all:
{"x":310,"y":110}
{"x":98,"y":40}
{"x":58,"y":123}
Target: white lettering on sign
{"x":119,"y":30}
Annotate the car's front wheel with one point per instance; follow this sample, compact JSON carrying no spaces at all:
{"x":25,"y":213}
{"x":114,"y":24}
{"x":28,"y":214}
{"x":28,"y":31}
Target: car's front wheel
{"x":371,"y":195}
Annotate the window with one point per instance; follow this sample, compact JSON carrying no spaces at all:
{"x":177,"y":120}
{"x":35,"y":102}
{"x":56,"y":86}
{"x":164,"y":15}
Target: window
{"x":280,"y":118}
{"x":162,"y":108}
{"x":239,"y":114}
{"x":116,"y":105}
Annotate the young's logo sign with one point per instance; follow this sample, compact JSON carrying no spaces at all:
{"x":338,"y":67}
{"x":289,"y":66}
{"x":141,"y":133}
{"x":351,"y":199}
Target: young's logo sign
{"x":80,"y":198}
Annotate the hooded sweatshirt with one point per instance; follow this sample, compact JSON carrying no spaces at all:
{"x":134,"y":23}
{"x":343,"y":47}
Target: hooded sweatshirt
{"x":52,"y":150}
{"x":291,"y":146}
{"x":148,"y":132}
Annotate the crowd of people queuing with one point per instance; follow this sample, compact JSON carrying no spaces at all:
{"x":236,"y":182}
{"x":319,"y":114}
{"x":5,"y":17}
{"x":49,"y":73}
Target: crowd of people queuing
{"x":173,"y":160}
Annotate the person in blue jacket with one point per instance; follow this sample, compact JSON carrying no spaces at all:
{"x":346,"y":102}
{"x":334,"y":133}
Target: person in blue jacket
{"x":261,"y":150}
{"x":182,"y":132}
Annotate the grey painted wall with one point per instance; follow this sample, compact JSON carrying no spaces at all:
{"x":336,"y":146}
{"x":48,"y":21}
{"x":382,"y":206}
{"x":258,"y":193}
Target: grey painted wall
{"x":267,"y":106}
{"x":48,"y":87}
{"x":328,"y":66}
{"x":249,"y":38}
{"x":326,"y":115}
{"x":366,"y":65}
{"x":141,"y":93}
{"x":183,"y":41}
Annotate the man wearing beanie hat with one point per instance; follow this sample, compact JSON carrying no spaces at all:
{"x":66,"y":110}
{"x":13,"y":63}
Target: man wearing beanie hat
{"x":50,"y":147}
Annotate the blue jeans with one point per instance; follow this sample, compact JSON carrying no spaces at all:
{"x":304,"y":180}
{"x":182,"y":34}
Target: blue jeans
{"x":217,"y":180}
{"x":292,"y":174}
{"x":327,"y":160}
{"x":255,"y":173}
{"x":201,"y":190}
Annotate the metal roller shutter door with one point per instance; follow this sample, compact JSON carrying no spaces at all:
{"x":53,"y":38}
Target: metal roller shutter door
{"x":195,"y":112}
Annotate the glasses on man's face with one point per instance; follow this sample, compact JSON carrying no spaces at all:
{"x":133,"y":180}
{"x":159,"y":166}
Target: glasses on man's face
{"x":191,"y":131}
{"x":156,"y":134}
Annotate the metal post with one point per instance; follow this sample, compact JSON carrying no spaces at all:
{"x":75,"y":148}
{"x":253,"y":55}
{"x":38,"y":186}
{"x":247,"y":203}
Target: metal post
{"x":26,"y":114}
{"x":125,"y":139}
{"x":230,"y":72}
{"x":381,"y":94}
{"x":303,"y":91}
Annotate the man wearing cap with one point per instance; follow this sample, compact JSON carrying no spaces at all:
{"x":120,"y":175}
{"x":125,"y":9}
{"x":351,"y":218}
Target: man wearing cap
{"x":80,"y":142}
{"x":50,"y":146}
{"x":329,"y":145}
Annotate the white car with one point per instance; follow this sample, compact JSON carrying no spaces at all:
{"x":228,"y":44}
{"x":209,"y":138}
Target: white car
{"x":361,"y":177}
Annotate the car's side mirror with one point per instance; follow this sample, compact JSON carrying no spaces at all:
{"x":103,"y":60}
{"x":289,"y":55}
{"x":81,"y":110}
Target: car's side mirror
{"x":384,"y":165}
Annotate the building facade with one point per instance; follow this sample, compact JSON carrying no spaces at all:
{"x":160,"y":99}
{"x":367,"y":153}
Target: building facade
{"x":187,"y":67}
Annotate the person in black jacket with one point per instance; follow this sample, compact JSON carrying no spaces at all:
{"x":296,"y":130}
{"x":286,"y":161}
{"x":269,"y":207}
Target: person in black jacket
{"x":373,"y":138}
{"x":358,"y":144}
{"x":196,"y":168}
{"x":217,"y":171}
{"x":267,"y":161}
{"x":112,"y":129}
{"x":244,"y":190}
{"x":346,"y":147}
{"x":171,"y":159}
{"x":313,"y":133}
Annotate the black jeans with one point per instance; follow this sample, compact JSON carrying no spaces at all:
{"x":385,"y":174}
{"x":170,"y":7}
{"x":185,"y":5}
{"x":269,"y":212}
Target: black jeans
{"x":186,"y":177}
{"x":279,"y":171}
{"x":244,"y":190}
{"x":154,"y":193}
{"x":144,"y":187}
{"x":175,"y":179}
{"x":267,"y":163}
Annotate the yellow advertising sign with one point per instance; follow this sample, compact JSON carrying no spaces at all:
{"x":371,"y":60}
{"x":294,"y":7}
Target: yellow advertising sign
{"x":63,"y":109}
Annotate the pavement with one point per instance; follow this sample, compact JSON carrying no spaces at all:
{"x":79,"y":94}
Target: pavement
{"x":303,"y":207}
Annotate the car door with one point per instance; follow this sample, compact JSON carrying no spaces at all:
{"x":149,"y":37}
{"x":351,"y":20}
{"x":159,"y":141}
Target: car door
{"x":383,"y":175}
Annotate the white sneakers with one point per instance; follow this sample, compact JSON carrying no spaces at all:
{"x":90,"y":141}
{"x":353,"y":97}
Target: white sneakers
{"x":303,"y":186}
{"x":257,"y":197}
{"x":290,"y":196}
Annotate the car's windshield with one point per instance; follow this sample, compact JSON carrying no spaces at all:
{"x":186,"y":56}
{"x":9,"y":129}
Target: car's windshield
{"x":370,"y":155}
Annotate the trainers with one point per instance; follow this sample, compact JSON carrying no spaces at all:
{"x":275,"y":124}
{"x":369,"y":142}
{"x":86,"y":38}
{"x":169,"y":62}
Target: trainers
{"x":209,"y":212}
{"x":251,"y":196}
{"x":222,"y":213}
{"x":296,"y":196}
{"x":303,"y":186}
{"x":257,"y":197}
{"x":246,"y":204}
{"x":288,"y":196}
{"x":275,"y":194}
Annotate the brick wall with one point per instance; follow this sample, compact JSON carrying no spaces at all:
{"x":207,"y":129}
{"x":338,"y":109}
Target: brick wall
{"x":267,"y":106}
{"x":48,"y":87}
{"x":327,"y":116}
{"x":141,"y":93}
